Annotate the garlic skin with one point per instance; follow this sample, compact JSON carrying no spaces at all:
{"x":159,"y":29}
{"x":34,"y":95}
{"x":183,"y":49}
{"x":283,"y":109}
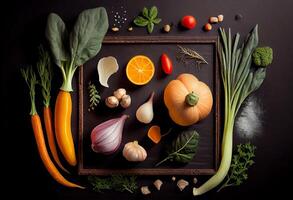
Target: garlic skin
{"x":112,"y":102}
{"x":133,"y":152}
{"x":182,"y":184}
{"x":145,"y":113}
{"x":119,"y":93}
{"x":125,"y":101}
{"x":107,"y":66}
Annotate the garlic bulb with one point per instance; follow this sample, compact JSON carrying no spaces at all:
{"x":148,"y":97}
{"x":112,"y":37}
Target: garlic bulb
{"x":145,"y":112}
{"x":134,"y":152}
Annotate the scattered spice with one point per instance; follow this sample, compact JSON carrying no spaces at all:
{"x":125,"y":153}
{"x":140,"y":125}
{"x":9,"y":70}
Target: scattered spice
{"x":186,"y":54}
{"x":94,"y":97}
{"x":167,"y":28}
{"x":119,"y":15}
{"x":118,"y":183}
{"x":208,"y":27}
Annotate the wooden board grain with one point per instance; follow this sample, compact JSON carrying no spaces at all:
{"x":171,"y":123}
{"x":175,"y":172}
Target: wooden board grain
{"x":123,"y":48}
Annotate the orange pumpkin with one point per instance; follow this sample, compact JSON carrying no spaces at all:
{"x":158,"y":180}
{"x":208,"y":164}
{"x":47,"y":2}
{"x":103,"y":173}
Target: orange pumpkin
{"x":188,"y":100}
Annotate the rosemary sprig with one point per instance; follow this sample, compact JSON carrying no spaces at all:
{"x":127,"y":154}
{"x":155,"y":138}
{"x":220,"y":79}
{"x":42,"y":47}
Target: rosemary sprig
{"x":118,"y":183}
{"x":94,"y":97}
{"x":186,"y":54}
{"x":241,"y":161}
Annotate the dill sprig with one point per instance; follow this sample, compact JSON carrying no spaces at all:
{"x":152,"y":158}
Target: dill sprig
{"x":118,"y":183}
{"x":241,"y":161}
{"x":94,"y":97}
{"x":186,"y":54}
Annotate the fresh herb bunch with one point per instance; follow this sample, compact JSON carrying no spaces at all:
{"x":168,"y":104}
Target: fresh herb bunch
{"x":241,"y":161}
{"x":186,"y":54}
{"x":94,"y":97}
{"x":149,"y":18}
{"x":183,"y":148}
{"x":118,"y":183}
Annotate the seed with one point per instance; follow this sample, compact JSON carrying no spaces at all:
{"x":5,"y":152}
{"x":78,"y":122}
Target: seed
{"x":208,"y":27}
{"x":194,"y":180}
{"x":220,"y":18}
{"x":115,"y":29}
{"x":167,"y":28}
{"x":213,"y":20}
{"x":173,"y":178}
{"x":130,"y":29}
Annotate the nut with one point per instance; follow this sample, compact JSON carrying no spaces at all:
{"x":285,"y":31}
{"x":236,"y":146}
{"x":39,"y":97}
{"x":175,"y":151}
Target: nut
{"x":119,"y":93}
{"x":158,"y":184}
{"x":194,"y":180}
{"x":220,"y":18}
{"x":130,"y":29}
{"x":167,"y":28}
{"x":115,"y":29}
{"x":112,"y":102}
{"x":213,"y":20}
{"x":182,"y":184}
{"x":208,"y":27}
{"x":125,"y":101}
{"x":145,"y":190}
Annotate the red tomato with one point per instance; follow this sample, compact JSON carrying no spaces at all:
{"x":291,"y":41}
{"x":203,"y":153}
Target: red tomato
{"x":188,"y":22}
{"x":167,"y":65}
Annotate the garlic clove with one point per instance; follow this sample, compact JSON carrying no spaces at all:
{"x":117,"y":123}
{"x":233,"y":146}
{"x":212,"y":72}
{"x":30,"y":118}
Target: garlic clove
{"x":158,"y":184}
{"x":106,"y":67}
{"x":145,"y":190}
{"x":145,"y":112}
{"x":182,"y":184}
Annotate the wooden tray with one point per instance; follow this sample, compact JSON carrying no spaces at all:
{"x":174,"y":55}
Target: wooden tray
{"x":123,"y":48}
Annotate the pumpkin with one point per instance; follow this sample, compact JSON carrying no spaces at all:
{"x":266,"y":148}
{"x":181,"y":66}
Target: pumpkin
{"x":188,"y":100}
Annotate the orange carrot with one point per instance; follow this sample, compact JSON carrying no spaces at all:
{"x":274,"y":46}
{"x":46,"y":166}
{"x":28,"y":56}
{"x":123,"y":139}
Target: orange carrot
{"x":63,"y":109}
{"x":50,"y":136}
{"x":53,"y":171}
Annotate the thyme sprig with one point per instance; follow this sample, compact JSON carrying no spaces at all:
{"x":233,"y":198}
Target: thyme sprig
{"x":94,"y":97}
{"x":186,"y":54}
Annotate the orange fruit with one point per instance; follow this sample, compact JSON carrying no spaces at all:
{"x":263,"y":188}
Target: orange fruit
{"x":140,"y":70}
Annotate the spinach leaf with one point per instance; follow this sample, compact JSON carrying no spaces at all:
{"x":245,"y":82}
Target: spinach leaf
{"x":184,"y":148}
{"x":87,"y":35}
{"x":57,"y":34}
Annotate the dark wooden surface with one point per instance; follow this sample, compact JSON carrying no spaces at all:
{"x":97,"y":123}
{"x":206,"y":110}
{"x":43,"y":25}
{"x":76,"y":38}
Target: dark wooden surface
{"x":23,"y":30}
{"x":124,"y":48}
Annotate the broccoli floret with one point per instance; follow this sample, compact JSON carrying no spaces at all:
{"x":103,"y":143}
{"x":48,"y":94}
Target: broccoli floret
{"x":263,"y":56}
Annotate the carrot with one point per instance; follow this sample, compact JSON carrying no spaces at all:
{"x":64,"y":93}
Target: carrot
{"x":45,"y":73}
{"x":154,"y":133}
{"x":50,"y":136}
{"x":31,"y":81}
{"x":53,"y":171}
{"x":63,"y":108}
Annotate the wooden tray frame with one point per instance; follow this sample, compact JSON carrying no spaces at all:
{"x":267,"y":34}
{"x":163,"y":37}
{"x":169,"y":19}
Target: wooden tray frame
{"x":154,"y":171}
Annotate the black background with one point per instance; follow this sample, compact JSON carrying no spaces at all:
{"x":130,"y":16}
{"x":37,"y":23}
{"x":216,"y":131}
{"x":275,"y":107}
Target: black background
{"x":23,"y":24}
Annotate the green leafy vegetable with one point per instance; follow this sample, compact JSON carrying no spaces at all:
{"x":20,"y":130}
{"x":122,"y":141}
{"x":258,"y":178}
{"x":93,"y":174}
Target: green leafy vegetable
{"x":240,"y":164}
{"x":263,"y":56}
{"x":240,"y":79}
{"x":116,"y":182}
{"x":94,"y":97}
{"x":148,"y":18}
{"x":184,"y":148}
{"x":44,"y":68}
{"x":72,"y":50}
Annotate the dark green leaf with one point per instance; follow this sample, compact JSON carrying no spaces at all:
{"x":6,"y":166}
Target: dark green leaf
{"x":145,"y":12}
{"x":150,"y":27}
{"x":87,"y":35}
{"x":57,"y":36}
{"x":140,"y":21}
{"x":153,"y":12}
{"x":157,"y":20}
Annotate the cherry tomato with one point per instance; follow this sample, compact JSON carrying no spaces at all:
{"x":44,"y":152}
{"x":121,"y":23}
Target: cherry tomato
{"x":188,"y":22}
{"x":167,"y":65}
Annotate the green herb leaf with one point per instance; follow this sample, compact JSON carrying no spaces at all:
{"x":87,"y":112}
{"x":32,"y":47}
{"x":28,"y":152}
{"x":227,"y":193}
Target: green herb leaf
{"x":150,"y":27}
{"x":153,"y":12}
{"x":57,"y":35}
{"x":145,"y":12}
{"x":87,"y":35}
{"x":157,"y":20}
{"x":184,"y":148}
{"x":94,"y":97}
{"x":140,"y":21}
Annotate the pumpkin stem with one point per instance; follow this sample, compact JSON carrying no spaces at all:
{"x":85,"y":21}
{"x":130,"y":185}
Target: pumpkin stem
{"x":191,"y":99}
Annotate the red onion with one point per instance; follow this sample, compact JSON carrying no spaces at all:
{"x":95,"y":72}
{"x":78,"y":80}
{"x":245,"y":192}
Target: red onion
{"x":106,"y":137}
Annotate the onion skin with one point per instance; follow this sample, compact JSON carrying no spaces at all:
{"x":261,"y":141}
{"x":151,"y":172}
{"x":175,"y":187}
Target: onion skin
{"x":107,"y":136}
